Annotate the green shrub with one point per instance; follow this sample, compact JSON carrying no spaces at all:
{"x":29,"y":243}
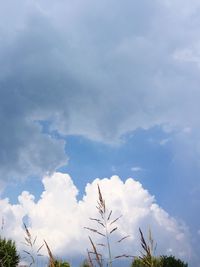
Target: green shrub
{"x":171,"y":261}
{"x":163,"y":261}
{"x":8,"y":253}
{"x":60,"y":263}
{"x":140,"y":262}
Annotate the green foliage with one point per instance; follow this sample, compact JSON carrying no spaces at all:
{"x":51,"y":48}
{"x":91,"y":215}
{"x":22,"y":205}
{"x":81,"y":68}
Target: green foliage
{"x":85,"y":264}
{"x":171,"y":261}
{"x":8,"y":253}
{"x":139,"y":262}
{"x":163,"y":261}
{"x":60,"y":263}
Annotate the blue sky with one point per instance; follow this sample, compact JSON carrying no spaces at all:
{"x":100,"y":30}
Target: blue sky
{"x":145,"y":155}
{"x":139,"y":155}
{"x":97,"y":89}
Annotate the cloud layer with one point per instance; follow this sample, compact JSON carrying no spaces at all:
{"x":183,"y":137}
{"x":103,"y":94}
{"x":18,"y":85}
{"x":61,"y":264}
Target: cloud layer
{"x":59,"y":218}
{"x":96,"y":69}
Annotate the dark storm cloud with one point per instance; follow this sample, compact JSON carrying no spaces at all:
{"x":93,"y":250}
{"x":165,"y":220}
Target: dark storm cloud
{"x":96,"y":69}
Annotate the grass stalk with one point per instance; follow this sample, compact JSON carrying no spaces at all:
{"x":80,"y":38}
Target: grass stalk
{"x":107,"y":228}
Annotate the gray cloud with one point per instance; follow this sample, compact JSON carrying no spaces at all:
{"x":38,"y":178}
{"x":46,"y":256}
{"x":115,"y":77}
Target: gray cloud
{"x":96,"y":69}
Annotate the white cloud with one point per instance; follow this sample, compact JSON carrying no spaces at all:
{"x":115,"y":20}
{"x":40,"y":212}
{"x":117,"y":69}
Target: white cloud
{"x":164,"y":141}
{"x":59,"y":217}
{"x":136,"y":169}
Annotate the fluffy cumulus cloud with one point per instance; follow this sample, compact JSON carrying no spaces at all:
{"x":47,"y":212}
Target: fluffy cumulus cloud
{"x":59,"y":218}
{"x":63,"y":62}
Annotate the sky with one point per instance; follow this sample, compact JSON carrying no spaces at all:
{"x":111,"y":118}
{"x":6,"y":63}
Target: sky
{"x":101,"y":92}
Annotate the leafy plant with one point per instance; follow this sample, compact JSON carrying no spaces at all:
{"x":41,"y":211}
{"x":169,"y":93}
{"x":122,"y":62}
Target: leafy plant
{"x":138,"y":262}
{"x":171,"y":261}
{"x":60,"y":263}
{"x":162,"y":261}
{"x":107,"y":228}
{"x":8,"y":253}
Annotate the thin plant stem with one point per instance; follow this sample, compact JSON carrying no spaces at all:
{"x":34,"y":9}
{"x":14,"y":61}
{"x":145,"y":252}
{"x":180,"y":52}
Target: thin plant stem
{"x":107,"y":228}
{"x":108,"y":245}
